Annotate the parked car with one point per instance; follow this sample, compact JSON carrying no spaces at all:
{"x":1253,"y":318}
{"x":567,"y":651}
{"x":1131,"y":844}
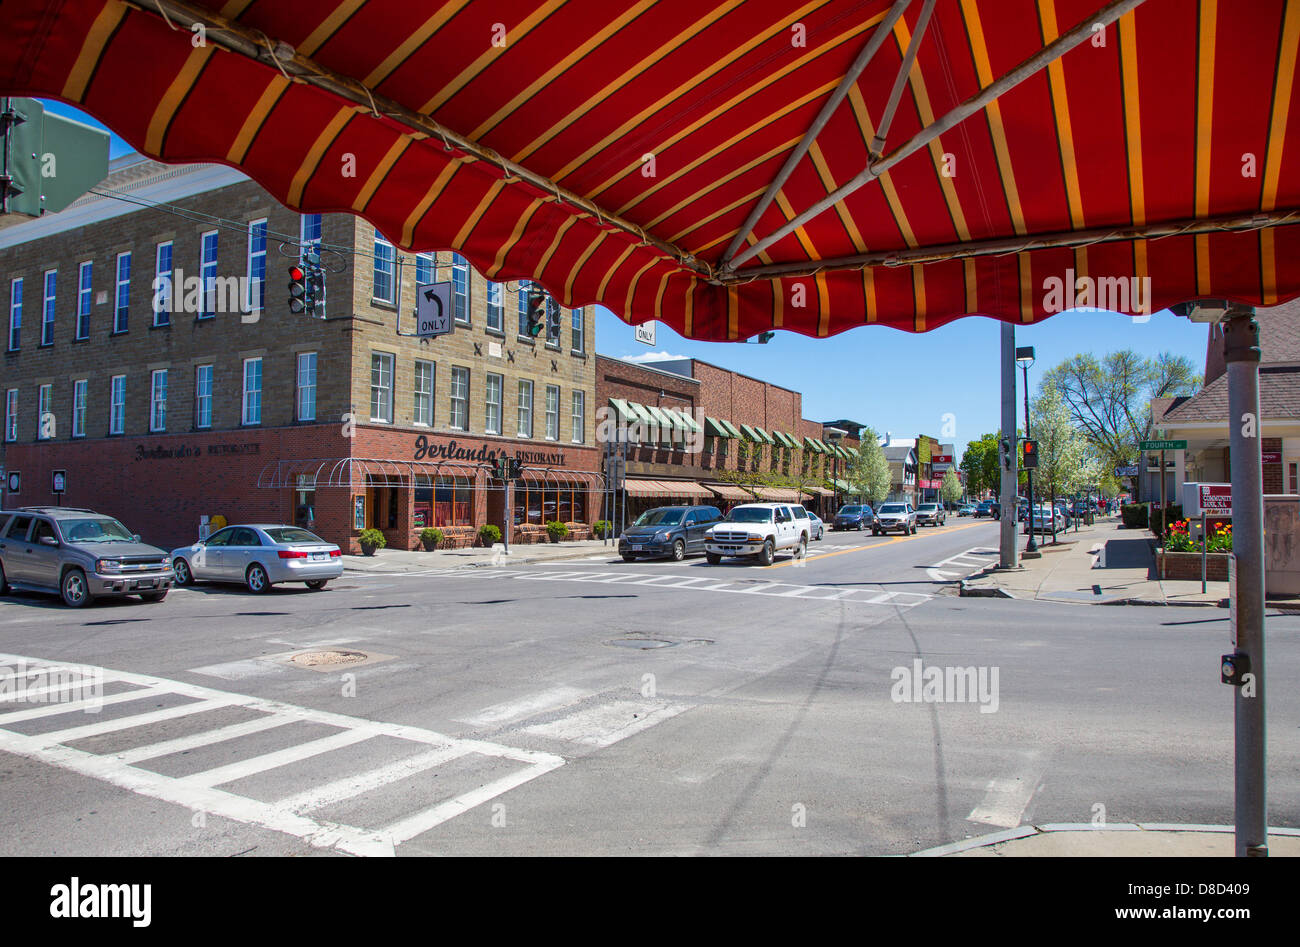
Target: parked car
{"x":79,"y":555}
{"x":818,"y":528}
{"x":758,"y":531}
{"x":895,"y":516}
{"x":675,"y":531}
{"x":967,"y":510}
{"x":930,"y":514}
{"x":259,"y":555}
{"x":854,"y":516}
{"x":1046,"y":520}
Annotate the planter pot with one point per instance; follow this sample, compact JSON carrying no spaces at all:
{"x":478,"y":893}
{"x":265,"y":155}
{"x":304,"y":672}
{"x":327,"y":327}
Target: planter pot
{"x":428,"y":545}
{"x":367,"y":549}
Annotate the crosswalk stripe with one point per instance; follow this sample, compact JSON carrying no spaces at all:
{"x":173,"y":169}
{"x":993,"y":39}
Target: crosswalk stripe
{"x":135,"y":720}
{"x":259,"y":764}
{"x":351,"y":786}
{"x":206,"y":738}
{"x":52,"y":710}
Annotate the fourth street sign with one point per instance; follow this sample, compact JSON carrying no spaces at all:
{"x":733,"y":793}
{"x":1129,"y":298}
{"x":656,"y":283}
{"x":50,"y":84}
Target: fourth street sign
{"x":1163,"y":445}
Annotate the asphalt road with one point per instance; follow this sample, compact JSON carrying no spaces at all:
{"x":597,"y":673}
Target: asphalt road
{"x":601,"y":707}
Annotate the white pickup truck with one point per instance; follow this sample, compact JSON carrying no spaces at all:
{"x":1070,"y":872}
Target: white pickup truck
{"x":759,"y":531}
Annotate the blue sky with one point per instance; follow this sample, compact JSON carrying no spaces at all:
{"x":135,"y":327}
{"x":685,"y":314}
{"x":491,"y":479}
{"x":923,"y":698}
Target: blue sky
{"x":893,"y":380}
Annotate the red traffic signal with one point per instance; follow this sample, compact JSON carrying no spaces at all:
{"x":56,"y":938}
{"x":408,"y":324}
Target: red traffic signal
{"x":297,"y":288}
{"x":1030,"y":454}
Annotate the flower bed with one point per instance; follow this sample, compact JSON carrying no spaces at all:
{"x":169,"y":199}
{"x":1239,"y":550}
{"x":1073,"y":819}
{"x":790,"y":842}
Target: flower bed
{"x":1218,"y":537}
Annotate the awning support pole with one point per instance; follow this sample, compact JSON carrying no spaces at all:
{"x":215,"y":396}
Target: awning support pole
{"x":1242,"y":354}
{"x":1031,"y":66}
{"x":896,"y":93}
{"x":878,"y":37}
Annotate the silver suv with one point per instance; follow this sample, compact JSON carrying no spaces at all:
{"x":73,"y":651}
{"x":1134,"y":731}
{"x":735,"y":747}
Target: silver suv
{"x":79,"y":554}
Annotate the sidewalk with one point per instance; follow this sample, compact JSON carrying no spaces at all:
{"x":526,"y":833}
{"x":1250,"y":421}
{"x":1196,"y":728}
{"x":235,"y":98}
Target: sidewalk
{"x":405,"y":560}
{"x":1127,"y":840}
{"x":1101,"y":564}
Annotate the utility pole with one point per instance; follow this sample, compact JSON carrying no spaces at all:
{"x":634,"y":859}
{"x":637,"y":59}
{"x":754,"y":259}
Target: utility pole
{"x":1007,"y":545}
{"x":1241,"y":352}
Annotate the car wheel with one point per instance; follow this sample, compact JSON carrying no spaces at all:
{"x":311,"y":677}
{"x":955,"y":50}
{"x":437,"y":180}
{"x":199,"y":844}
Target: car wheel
{"x":875,"y":532}
{"x":74,"y":590}
{"x":256,"y":579}
{"x":151,"y":597}
{"x":767,"y":555}
{"x":181,"y":569}
{"x":629,"y":558}
{"x":4,"y":585}
{"x":316,"y":584}
{"x":712,"y":558}
{"x":679,"y":550}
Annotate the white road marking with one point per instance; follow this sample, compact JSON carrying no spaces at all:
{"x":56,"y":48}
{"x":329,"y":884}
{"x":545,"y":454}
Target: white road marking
{"x":608,"y":723}
{"x":1005,"y":800}
{"x":529,"y":706}
{"x":89,"y":703}
{"x":199,"y":792}
{"x":965,"y":562}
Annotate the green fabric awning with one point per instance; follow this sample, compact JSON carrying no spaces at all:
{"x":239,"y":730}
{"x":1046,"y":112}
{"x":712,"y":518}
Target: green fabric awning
{"x":785,"y":439}
{"x":661,"y":419}
{"x":812,"y":444}
{"x":642,"y":414}
{"x":675,"y":419}
{"x":735,"y":431}
{"x":716,"y":428}
{"x":624,"y":412}
{"x":751,"y":434}
{"x":767,"y":438}
{"x":692,"y":425}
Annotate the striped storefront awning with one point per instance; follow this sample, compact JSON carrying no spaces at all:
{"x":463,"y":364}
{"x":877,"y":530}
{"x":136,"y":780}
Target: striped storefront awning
{"x":778,"y":494}
{"x":818,"y":491}
{"x":729,"y":491}
{"x":680,"y":489}
{"x":1034,"y":141}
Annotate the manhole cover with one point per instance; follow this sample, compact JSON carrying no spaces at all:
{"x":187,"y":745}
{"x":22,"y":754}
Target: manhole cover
{"x":315,"y":659}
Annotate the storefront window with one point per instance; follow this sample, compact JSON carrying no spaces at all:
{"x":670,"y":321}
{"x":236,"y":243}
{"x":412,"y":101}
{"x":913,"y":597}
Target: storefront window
{"x":538,"y":503}
{"x":453,"y":501}
{"x":304,"y":501}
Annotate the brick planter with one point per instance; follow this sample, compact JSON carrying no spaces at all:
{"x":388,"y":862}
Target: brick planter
{"x":1187,"y":565}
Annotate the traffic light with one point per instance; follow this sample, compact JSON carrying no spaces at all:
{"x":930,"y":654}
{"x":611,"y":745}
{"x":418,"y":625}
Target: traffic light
{"x":297,"y":288}
{"x":537,"y":312}
{"x":766,"y":337}
{"x":552,"y":321}
{"x":1031,"y":454}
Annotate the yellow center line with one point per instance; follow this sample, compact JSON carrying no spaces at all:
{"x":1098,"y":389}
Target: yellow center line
{"x":887,"y":542}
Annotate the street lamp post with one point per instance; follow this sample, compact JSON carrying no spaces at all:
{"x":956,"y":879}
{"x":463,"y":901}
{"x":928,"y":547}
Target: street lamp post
{"x":1025,"y":358}
{"x":835,"y":434}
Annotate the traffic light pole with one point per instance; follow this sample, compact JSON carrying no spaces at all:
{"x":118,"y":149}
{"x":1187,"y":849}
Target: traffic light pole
{"x":1008,"y":554}
{"x":1032,"y":545}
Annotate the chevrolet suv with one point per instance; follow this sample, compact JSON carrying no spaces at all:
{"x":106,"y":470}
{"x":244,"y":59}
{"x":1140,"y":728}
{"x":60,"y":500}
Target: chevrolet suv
{"x":80,"y":555}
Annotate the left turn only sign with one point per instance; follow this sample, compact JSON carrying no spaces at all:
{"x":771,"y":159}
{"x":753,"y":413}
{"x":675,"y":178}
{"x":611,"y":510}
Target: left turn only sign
{"x":432,"y":309}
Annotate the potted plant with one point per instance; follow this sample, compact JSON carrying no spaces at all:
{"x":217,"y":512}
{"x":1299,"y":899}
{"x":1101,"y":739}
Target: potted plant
{"x":430,"y":538}
{"x":489,"y":535}
{"x":371,"y":539}
{"x":601,"y":529}
{"x":556,"y":530}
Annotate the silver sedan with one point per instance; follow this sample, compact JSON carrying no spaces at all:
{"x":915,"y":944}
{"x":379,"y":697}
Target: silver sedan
{"x":259,"y":556}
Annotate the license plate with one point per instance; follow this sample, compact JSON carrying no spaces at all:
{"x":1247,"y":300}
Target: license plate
{"x":144,"y":584}
{"x":634,"y":547}
{"x":319,"y":556}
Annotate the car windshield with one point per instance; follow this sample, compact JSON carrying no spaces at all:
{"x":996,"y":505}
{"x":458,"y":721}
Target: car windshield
{"x":101,"y":529}
{"x":291,"y":534}
{"x":750,"y":514}
{"x":849,"y":511}
{"x":665,"y":516}
{"x":928,"y":507}
{"x":893,"y":508}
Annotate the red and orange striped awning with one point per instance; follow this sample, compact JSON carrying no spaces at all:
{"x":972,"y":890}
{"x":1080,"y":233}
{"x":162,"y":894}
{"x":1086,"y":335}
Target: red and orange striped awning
{"x":620,"y":153}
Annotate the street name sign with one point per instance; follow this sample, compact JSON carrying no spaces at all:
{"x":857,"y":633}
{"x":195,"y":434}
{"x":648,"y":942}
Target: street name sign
{"x":433,"y":309}
{"x":1163,"y":445}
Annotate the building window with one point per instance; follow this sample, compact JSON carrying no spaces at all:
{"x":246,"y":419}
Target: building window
{"x":45,"y":412}
{"x":423,"y":393}
{"x":460,"y":287}
{"x":579,"y":418}
{"x":424,"y":268}
{"x":256,"y":266}
{"x":208,"y":273}
{"x":15,"y":314}
{"x":495,"y":307}
{"x":158,"y":401}
{"x":79,"y":407}
{"x":11,"y":414}
{"x":525,"y":288}
{"x":552,"y":412}
{"x":47,"y":314}
{"x":117,"y":404}
{"x":252,"y":391}
{"x":306,"y":386}
{"x":203,"y":396}
{"x":460,"y":398}
{"x":310,"y":231}
{"x":381,"y":387}
{"x":525,"y":428}
{"x":84,"y":298}
{"x":577,"y":333}
{"x":122,"y":297}
{"x":162,"y":285}
{"x":492,"y":415}
{"x":385,"y":270}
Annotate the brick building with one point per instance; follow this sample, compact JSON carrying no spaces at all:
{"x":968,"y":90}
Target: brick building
{"x":216,"y":400}
{"x":701,"y":434}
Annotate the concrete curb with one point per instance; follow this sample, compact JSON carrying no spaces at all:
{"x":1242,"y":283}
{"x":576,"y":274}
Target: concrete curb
{"x":1025,"y":831}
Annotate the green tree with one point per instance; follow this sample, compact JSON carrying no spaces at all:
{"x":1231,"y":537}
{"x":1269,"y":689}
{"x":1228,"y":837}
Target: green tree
{"x":1109,"y":400}
{"x":950,"y":489}
{"x":981,"y":464}
{"x":868,"y":473}
{"x":1066,"y":461}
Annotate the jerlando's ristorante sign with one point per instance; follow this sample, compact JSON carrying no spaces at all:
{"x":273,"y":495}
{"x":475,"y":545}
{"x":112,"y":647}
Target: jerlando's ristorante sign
{"x":427,"y":450}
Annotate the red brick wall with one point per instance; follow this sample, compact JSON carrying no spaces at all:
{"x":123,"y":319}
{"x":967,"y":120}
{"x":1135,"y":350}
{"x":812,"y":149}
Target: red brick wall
{"x":616,"y":378}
